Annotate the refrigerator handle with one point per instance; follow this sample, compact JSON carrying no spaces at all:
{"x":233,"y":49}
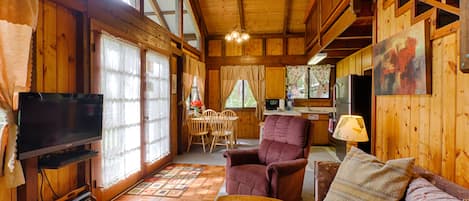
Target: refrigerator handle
{"x":335,"y":94}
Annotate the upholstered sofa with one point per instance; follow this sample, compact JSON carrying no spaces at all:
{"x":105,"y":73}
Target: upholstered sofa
{"x":325,"y":172}
{"x":276,"y":169}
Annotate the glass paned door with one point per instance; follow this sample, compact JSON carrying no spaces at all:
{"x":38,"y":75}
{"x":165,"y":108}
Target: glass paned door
{"x":157,"y":104}
{"x":120,"y":86}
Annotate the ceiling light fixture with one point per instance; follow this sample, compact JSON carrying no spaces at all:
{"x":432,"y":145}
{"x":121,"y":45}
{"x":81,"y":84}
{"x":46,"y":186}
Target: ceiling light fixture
{"x":237,"y":35}
{"x":317,"y":58}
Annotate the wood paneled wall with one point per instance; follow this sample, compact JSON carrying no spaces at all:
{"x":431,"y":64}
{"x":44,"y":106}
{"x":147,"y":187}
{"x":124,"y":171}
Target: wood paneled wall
{"x":7,"y":194}
{"x":355,"y":63}
{"x":55,"y":71}
{"x":431,"y":128}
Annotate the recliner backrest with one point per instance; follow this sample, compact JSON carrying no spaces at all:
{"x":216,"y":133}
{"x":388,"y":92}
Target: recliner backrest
{"x":284,"y":138}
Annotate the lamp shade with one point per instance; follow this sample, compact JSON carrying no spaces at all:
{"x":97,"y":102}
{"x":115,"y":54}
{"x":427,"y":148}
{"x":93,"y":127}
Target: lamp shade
{"x":351,"y":128}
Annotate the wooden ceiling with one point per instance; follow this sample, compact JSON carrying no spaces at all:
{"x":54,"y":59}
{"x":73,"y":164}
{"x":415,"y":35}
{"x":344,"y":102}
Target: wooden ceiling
{"x":254,"y":16}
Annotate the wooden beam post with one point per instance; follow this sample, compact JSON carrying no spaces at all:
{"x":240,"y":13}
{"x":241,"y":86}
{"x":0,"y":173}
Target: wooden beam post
{"x":286,"y":16}
{"x":241,"y":14}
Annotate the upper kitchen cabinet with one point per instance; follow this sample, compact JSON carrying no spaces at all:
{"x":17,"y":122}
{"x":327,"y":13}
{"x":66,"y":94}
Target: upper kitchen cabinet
{"x":275,"y":82}
{"x":338,"y":28}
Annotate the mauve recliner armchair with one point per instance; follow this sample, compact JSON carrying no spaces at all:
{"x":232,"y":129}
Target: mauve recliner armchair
{"x":276,"y":169}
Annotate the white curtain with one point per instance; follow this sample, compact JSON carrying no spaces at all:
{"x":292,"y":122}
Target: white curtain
{"x":157,"y":104}
{"x":120,"y":85}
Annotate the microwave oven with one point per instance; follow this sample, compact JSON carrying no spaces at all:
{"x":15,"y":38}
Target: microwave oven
{"x":272,"y":104}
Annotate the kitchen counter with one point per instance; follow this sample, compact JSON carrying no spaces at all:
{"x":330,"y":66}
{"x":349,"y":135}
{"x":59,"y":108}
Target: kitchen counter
{"x":315,"y":110}
{"x":284,"y":113}
{"x":318,"y":117}
{"x":297,"y":111}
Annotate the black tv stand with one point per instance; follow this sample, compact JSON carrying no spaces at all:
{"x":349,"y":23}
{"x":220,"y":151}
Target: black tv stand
{"x":57,"y":160}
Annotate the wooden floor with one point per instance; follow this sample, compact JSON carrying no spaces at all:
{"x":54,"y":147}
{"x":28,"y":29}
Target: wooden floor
{"x":204,"y":188}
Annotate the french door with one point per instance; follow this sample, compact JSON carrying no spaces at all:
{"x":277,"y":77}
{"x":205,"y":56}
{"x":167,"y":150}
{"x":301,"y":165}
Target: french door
{"x":123,"y":147}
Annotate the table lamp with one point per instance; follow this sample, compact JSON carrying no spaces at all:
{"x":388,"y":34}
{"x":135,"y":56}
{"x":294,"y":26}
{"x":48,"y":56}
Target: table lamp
{"x":351,"y":128}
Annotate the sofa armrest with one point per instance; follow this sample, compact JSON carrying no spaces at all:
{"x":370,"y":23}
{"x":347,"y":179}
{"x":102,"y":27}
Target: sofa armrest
{"x":443,"y":184}
{"x":324,"y":174}
{"x":240,"y":157}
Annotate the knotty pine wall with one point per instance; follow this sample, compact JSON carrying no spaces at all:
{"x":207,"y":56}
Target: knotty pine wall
{"x":55,"y":71}
{"x":431,"y":128}
{"x":356,"y":63}
{"x":268,"y":51}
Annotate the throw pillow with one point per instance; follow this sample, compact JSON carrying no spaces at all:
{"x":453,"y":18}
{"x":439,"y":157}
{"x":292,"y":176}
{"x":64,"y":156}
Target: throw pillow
{"x":362,"y":177}
{"x":422,"y":189}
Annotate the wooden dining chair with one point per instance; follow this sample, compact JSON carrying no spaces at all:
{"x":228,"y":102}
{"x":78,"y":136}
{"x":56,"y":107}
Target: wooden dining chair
{"x":233,"y":123}
{"x":209,"y":112}
{"x":198,"y":127}
{"x":220,"y":131}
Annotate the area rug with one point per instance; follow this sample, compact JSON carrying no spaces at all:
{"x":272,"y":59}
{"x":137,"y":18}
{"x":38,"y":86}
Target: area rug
{"x":181,"y":181}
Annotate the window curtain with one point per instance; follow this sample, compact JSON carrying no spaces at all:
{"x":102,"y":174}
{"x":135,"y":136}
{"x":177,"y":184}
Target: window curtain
{"x":117,"y":77}
{"x":201,"y":73}
{"x":17,"y":21}
{"x":295,"y":73}
{"x":255,"y":75}
{"x":192,"y":67}
{"x":322,"y":74}
{"x":157,"y":105}
{"x":228,"y":78}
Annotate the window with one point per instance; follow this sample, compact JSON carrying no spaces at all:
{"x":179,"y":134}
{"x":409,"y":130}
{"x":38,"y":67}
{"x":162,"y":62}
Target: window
{"x":120,"y":85}
{"x":308,"y":81}
{"x":133,"y":3}
{"x":319,"y":78}
{"x":297,"y":81}
{"x":157,"y":104}
{"x":194,"y":95}
{"x":164,"y":13}
{"x":241,"y":96}
{"x":190,"y":28}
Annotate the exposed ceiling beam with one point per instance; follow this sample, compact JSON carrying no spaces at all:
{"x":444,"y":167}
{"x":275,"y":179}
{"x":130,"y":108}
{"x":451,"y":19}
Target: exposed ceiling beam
{"x":241,"y":14}
{"x":156,"y":8}
{"x":190,"y":36}
{"x":358,"y":31}
{"x":216,"y":62}
{"x":286,"y":16}
{"x":342,"y":49}
{"x":171,"y":12}
{"x":338,"y":53}
{"x":266,"y":35}
{"x":149,"y":13}
{"x":353,"y":37}
{"x":360,"y":43}
{"x":363,"y":21}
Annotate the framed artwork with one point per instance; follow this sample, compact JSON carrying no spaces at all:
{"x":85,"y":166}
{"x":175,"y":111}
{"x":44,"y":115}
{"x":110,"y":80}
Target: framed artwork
{"x":402,"y":63}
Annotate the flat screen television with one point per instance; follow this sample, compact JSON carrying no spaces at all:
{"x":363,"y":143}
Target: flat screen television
{"x":50,"y":122}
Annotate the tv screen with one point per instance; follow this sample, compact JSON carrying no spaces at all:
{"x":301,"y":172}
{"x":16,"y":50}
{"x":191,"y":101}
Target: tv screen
{"x":49,"y":122}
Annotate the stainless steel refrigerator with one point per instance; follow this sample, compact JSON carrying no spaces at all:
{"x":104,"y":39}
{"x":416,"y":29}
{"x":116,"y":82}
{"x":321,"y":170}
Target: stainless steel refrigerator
{"x":353,"y":96}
